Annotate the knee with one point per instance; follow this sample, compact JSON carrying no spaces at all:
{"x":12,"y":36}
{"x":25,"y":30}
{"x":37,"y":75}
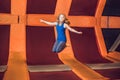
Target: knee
{"x":55,"y":51}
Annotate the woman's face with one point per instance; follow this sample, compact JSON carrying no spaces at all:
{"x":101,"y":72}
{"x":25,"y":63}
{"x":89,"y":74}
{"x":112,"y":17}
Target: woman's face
{"x":61,"y":18}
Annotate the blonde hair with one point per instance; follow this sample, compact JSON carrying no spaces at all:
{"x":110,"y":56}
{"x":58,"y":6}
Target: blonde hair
{"x":65,"y":21}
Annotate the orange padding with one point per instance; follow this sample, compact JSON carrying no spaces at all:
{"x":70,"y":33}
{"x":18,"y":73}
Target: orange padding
{"x":110,"y":22}
{"x":81,"y":70}
{"x":34,"y":19}
{"x":8,"y":19}
{"x":114,"y":56}
{"x":63,"y":6}
{"x":17,"y":68}
{"x":83,"y":21}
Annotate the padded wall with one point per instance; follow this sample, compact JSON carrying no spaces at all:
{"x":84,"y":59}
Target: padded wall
{"x":39,"y":46}
{"x":4,"y":44}
{"x":85,"y":46}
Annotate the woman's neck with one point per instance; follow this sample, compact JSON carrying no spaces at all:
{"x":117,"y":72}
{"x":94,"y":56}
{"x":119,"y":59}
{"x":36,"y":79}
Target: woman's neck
{"x":60,"y":21}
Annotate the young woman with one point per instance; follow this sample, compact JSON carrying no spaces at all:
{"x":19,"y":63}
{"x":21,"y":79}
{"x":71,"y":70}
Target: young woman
{"x":61,"y":24}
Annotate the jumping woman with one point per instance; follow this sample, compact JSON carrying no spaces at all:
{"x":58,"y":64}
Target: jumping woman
{"x":61,"y":24}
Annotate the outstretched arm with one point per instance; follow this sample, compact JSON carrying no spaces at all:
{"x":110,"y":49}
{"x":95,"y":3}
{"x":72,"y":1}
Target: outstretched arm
{"x":48,"y":23}
{"x":71,"y":29}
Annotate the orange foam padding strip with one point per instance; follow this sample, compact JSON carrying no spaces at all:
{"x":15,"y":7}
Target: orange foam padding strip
{"x":7,"y":19}
{"x":104,"y":22}
{"x":114,"y":22}
{"x":63,"y":6}
{"x":34,"y":19}
{"x":18,"y":7}
{"x":17,"y":33}
{"x":100,"y":7}
{"x":18,"y":38}
{"x":83,"y":21}
{"x":100,"y":40}
{"x":114,"y":56}
{"x":110,"y":22}
{"x":17,"y":68}
{"x":99,"y":36}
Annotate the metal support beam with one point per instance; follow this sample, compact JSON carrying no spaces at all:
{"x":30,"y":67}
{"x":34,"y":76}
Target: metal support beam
{"x":115,"y":44}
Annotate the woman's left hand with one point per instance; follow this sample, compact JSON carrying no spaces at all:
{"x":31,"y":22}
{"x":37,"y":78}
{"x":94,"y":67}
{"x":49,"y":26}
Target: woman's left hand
{"x":80,"y":33}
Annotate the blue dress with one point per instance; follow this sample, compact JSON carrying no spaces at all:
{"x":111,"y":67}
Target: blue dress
{"x":60,"y":43}
{"x":61,"y":32}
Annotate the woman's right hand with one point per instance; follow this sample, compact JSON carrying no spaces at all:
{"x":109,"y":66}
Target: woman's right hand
{"x":80,"y":32}
{"x":48,"y":23}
